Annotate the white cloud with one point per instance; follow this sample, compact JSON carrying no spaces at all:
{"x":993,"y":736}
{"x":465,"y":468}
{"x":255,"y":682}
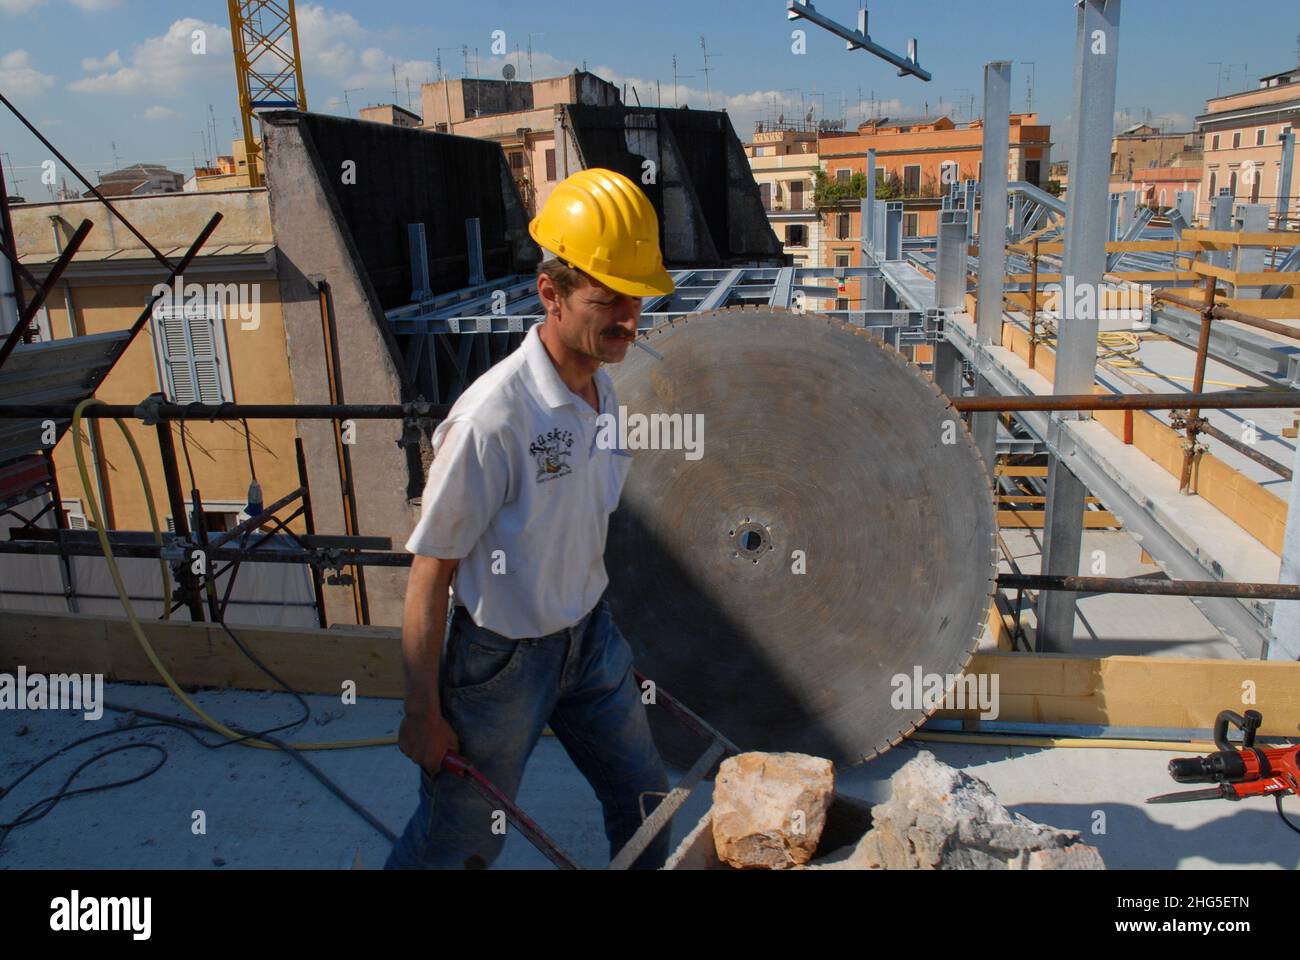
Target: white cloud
{"x":110,"y":62}
{"x":20,"y":6}
{"x":18,"y":77}
{"x":166,"y":62}
{"x":96,"y":5}
{"x":162,"y":113}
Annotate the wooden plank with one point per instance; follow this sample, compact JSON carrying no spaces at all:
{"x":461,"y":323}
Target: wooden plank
{"x":1034,"y":520}
{"x":1154,"y":276}
{"x":1164,"y":692}
{"x":1269,"y":278}
{"x":1034,"y":688}
{"x":200,"y":654}
{"x":1006,"y":470}
{"x":1231,"y":238}
{"x":1210,"y":270}
{"x":1266,"y":309}
{"x":1032,"y":498}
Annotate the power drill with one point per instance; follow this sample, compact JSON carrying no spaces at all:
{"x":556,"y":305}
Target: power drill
{"x":1248,"y":771}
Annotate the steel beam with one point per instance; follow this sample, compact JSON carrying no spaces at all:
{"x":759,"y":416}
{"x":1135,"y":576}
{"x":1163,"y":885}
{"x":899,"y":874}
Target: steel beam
{"x":869,"y":203}
{"x":1095,"y":69}
{"x":1220,"y":219}
{"x":1284,"y":181}
{"x":474,"y":248}
{"x":1285,"y":644}
{"x":894,"y":230}
{"x":1072,"y":453}
{"x":950,"y":260}
{"x":1252,"y":218}
{"x":419,"y":247}
{"x":859,"y":39}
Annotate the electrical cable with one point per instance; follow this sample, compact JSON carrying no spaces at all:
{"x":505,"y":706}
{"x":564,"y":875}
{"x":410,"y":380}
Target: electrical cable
{"x":138,"y":630}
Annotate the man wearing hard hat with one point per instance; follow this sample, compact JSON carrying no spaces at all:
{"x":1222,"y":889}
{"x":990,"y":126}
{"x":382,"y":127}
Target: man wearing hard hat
{"x":514,"y":518}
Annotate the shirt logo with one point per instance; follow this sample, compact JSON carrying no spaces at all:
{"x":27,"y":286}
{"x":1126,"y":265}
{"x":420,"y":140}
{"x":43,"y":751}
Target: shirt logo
{"x":551,"y":450}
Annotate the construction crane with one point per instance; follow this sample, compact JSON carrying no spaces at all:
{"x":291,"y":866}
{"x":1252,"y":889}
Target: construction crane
{"x":268,"y":68}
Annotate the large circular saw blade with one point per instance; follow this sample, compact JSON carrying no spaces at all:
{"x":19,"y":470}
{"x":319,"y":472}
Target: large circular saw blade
{"x":834,"y":530}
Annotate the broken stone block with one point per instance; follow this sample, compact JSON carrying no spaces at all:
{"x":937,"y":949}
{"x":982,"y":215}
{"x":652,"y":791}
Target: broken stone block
{"x":940,"y":818}
{"x":769,"y":809}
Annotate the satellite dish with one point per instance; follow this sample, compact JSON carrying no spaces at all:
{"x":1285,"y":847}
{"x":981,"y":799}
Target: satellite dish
{"x":508,"y":71}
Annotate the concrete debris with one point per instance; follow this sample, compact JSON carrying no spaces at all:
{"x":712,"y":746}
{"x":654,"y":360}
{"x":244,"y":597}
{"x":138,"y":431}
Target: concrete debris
{"x":769,"y":809}
{"x":939,"y":818}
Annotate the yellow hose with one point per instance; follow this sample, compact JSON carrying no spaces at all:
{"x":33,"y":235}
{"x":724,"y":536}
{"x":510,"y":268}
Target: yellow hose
{"x":181,"y":695}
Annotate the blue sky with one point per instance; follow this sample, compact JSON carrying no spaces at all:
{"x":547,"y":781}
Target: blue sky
{"x":98,"y":73}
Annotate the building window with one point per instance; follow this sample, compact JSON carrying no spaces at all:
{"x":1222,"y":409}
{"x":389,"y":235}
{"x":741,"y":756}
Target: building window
{"x":765,"y":194}
{"x":220,"y":516}
{"x":842,"y":227}
{"x":796,"y":235}
{"x":910,"y":224}
{"x":1236,"y":140}
{"x":796,"y":194}
{"x":190,"y":352}
{"x":550,"y":165}
{"x":912,"y":179}
{"x":842,"y":175}
{"x":1259,"y":137}
{"x":516,"y":160}
{"x":1254,"y":184}
{"x":1214,"y":143}
{"x":1214,"y":183}
{"x":841,"y":259}
{"x":1232,"y":184}
{"x":1033,"y":172}
{"x":841,"y":304}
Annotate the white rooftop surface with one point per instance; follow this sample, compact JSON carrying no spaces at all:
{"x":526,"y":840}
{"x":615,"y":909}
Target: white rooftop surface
{"x":264,"y":812}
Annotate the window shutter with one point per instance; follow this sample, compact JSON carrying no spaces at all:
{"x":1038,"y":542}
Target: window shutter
{"x":204,"y":357}
{"x":176,"y":356}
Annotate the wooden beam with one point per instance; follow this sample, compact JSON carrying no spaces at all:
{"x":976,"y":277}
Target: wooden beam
{"x":1230,"y":238}
{"x":200,"y":654}
{"x":1034,"y":520}
{"x":1265,"y":309}
{"x":1164,"y":692}
{"x":1006,"y":470}
{"x":1036,"y":688}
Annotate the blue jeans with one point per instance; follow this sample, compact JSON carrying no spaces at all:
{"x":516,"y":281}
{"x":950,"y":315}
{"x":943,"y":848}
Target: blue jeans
{"x":498,"y":694}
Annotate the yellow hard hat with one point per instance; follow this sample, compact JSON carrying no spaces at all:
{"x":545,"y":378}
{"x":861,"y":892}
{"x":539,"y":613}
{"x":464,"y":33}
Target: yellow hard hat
{"x":603,"y":224}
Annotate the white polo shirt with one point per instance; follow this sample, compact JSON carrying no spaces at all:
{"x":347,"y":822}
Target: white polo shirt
{"x":521,"y":494}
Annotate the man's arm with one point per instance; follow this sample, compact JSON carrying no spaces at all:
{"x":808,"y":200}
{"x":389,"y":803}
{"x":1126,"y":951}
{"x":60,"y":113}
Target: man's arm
{"x":425,"y":736}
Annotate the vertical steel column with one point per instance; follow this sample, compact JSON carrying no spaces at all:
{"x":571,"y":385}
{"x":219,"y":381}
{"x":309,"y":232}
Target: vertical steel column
{"x":969,"y":204}
{"x":419,"y":249}
{"x":869,"y":203}
{"x":1220,"y":219}
{"x":950,"y":260}
{"x":1095,"y":67}
{"x":947,"y":368}
{"x":474,"y":250}
{"x":1284,"y":180}
{"x":1253,"y":219}
{"x":180,"y":522}
{"x":894,"y":230}
{"x":1116,"y":205}
{"x":993,"y":239}
{"x":1185,"y":204}
{"x":1286,"y":613}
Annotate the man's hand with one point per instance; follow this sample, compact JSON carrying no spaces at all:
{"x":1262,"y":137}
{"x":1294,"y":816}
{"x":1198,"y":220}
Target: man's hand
{"x":426,"y":738}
